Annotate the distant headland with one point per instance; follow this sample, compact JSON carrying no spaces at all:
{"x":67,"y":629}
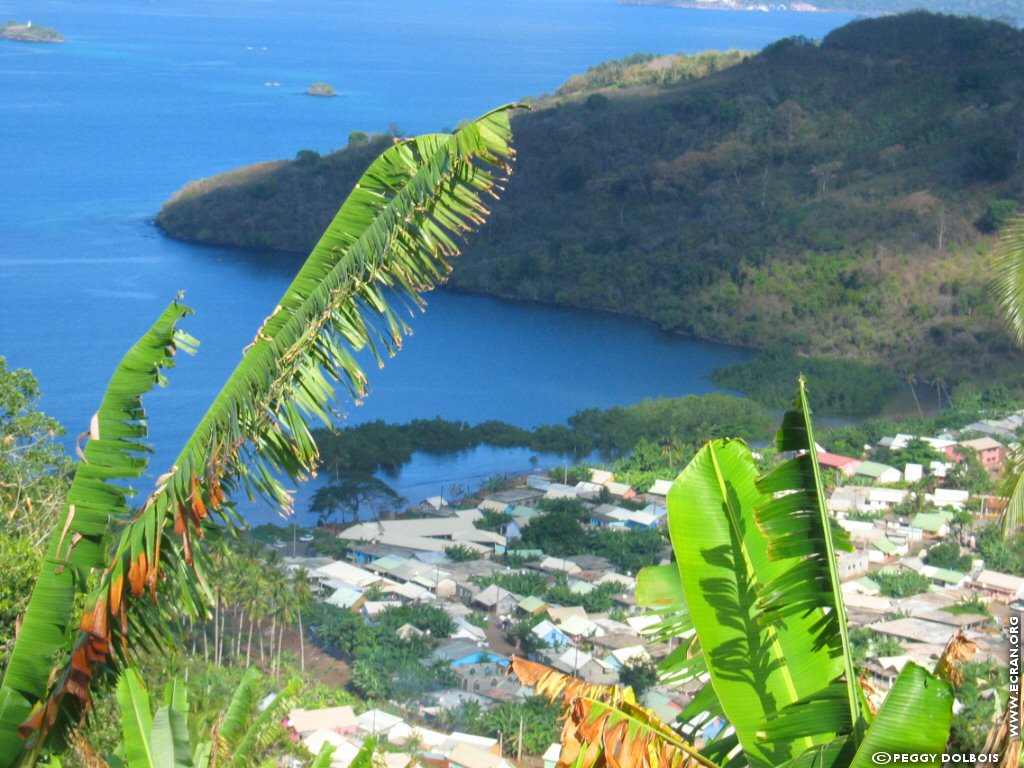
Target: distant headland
{"x":1002,"y":10}
{"x":321,"y":89}
{"x":29,"y":33}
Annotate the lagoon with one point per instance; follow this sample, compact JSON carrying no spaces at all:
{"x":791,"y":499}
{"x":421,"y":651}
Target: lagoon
{"x":145,"y":96}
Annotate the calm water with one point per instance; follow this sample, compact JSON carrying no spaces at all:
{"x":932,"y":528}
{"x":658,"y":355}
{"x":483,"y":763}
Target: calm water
{"x":145,"y":96}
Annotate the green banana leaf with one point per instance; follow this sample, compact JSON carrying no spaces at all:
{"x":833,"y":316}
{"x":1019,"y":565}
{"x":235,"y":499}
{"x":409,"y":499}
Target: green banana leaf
{"x":136,"y":720}
{"x":115,"y":452}
{"x":757,"y":667}
{"x":914,"y":719}
{"x":394,"y":236}
{"x":799,"y":530}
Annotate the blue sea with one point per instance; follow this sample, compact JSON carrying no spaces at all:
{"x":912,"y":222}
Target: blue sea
{"x":146,"y":95}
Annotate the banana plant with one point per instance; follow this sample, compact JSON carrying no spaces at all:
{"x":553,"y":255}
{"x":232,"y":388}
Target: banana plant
{"x":167,"y":738}
{"x":753,"y":604}
{"x":116,"y":577}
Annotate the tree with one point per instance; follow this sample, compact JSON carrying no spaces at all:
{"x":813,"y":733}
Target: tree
{"x":351,"y":492}
{"x":1008,"y":290}
{"x":33,"y":466}
{"x":947,"y":555}
{"x":113,"y":576}
{"x":754,"y":601}
{"x":639,"y":673}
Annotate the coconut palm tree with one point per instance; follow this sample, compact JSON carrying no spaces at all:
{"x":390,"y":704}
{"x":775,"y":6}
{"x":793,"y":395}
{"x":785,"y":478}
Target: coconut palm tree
{"x":114,"y":575}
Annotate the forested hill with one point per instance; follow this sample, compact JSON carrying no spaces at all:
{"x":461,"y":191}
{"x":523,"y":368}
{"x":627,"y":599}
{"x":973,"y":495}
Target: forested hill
{"x":837,"y":197}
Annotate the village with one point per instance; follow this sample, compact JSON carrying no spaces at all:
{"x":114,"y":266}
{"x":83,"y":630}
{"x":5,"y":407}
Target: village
{"x":915,"y":577}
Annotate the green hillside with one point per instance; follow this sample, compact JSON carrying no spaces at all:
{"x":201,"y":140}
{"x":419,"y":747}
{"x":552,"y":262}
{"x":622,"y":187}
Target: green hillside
{"x":837,"y":198}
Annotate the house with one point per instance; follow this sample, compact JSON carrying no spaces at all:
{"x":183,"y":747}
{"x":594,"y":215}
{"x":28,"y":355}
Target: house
{"x":581,"y":664}
{"x":475,"y":667}
{"x":558,"y":565}
{"x":620,"y":489}
{"x":943,"y":577}
{"x":883,"y":549}
{"x":935,"y":523}
{"x":999,"y":586}
{"x":660,"y":488}
{"x":880,"y":473}
{"x":497,"y":600}
{"x":466,"y":631}
{"x":580,"y":626}
{"x":345,"y":749}
{"x":901,"y":441}
{"x":845,"y":465}
{"x":948,"y":497}
{"x":859,"y":498}
{"x":518,"y":497}
{"x":852,"y":564}
{"x":376,"y":722}
{"x":347,"y":598}
{"x":340,"y":720}
{"x":532,"y":606}
{"x":551,"y":635}
{"x":913,"y":472}
{"x":493,"y":505}
{"x":601,"y":476}
{"x":348,"y":574}
{"x":470,"y":756}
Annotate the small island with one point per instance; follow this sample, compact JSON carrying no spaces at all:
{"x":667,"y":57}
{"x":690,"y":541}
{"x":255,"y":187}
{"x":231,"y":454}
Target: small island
{"x":29,"y":33}
{"x":321,"y":89}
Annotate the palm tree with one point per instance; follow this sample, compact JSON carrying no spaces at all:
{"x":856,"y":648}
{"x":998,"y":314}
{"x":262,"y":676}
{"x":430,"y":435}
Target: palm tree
{"x":1008,"y":289}
{"x":303,"y":596}
{"x":755,"y":597}
{"x":113,"y":574}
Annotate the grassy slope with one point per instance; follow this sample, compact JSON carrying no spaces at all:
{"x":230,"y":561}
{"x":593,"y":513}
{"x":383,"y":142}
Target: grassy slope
{"x":797,"y":197}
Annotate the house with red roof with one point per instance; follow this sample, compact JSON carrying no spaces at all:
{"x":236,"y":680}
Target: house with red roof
{"x":845,"y":464}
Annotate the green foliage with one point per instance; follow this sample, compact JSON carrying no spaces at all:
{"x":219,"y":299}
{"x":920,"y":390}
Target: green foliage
{"x":639,"y":673}
{"x":19,"y":564}
{"x":33,"y":467}
{"x":383,"y":665}
{"x":846,"y":387}
{"x":558,"y":533}
{"x":971,"y":475}
{"x":376,"y":445}
{"x":598,"y":600}
{"x":492,"y":520}
{"x":631,"y":550}
{"x":999,"y":555}
{"x":901,"y":583}
{"x":522,"y":583}
{"x":460,"y":553}
{"x":539,"y":719}
{"x":351,"y":492}
{"x":997,"y":214}
{"x":866,"y":644}
{"x":521,"y":633}
{"x":947,"y":555}
{"x":981,"y":695}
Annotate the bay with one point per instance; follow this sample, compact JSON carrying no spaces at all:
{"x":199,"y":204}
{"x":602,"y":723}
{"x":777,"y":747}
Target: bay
{"x":147,"y":94}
